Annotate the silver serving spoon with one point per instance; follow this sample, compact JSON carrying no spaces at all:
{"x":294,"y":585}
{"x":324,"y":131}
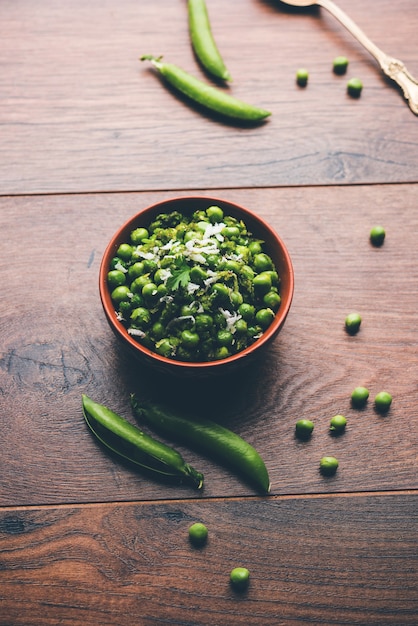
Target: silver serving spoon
{"x":393,"y":68}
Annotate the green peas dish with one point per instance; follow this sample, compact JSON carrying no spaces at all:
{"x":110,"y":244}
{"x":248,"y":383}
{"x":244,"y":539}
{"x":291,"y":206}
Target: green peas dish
{"x":195,"y":288}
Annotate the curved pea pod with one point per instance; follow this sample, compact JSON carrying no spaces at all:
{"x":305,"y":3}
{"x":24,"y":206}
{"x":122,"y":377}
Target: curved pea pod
{"x":207,"y":96}
{"x":203,"y":41}
{"x":129,"y":442}
{"x":209,"y":437}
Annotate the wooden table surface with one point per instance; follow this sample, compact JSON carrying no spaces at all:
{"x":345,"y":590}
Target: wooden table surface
{"x":89,"y":137}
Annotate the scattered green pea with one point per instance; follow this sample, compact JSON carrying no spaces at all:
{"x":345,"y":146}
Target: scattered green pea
{"x":354,"y":87}
{"x":304,"y":428}
{"x":340,"y":65}
{"x":359,"y":396}
{"x":338,"y":424}
{"x":302,"y":76}
{"x":377,"y":235}
{"x":240,"y":577}
{"x":352,"y":323}
{"x":198,"y":534}
{"x":382,"y":401}
{"x":328,"y":465}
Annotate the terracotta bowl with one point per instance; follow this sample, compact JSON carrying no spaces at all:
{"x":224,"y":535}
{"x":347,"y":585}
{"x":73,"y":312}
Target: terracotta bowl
{"x":274,"y":246}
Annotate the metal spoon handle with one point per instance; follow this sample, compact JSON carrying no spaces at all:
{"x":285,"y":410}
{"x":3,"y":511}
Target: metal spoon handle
{"x":393,"y":68}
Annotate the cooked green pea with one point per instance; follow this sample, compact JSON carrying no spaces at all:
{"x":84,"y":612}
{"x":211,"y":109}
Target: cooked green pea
{"x":304,"y":428}
{"x":255,"y":248}
{"x":189,"y":338}
{"x":165,"y":347}
{"x":236,"y":298}
{"x":262,"y":283}
{"x":118,"y":264}
{"x":198,"y":274}
{"x":138,"y":235}
{"x":382,"y":401}
{"x":262,"y":262}
{"x":215,"y":214}
{"x":340,"y":65}
{"x":302,"y":76}
{"x":120,"y":293}
{"x":241,"y":327}
{"x":230,"y":232}
{"x":352,"y":323}
{"x":377,"y":235}
{"x":158,"y":331}
{"x":220,"y":291}
{"x":264,"y":317}
{"x":354,"y":87}
{"x":247,"y":311}
{"x":222,"y":352}
{"x":139,"y":283}
{"x":150,"y":293}
{"x":115,"y":278}
{"x":272,"y":300}
{"x":198,"y":534}
{"x":204,"y":322}
{"x":141,"y":317}
{"x":328,"y":465}
{"x":240,"y":578}
{"x":338,"y":424}
{"x":359,"y":396}
{"x":225,"y":338}
{"x":135,"y":270}
{"x":125,"y":251}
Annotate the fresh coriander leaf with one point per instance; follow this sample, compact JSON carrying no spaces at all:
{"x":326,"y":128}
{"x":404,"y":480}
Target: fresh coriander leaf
{"x":179,"y":277}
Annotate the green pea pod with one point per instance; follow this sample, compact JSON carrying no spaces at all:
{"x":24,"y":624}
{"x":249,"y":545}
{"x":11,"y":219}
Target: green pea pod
{"x":206,"y":95}
{"x":202,"y":40}
{"x":127,"y":441}
{"x":209,"y":437}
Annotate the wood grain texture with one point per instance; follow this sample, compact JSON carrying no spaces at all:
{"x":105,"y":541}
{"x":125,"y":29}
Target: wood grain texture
{"x":79,"y":113}
{"x":56,"y":345}
{"x":349,"y":560}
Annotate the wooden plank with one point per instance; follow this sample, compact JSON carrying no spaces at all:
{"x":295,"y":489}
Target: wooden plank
{"x":56,"y":345}
{"x":333,"y":560}
{"x":80,"y":113}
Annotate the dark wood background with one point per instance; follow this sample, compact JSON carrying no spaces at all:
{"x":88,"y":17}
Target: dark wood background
{"x":89,"y":136}
{"x":79,"y":111}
